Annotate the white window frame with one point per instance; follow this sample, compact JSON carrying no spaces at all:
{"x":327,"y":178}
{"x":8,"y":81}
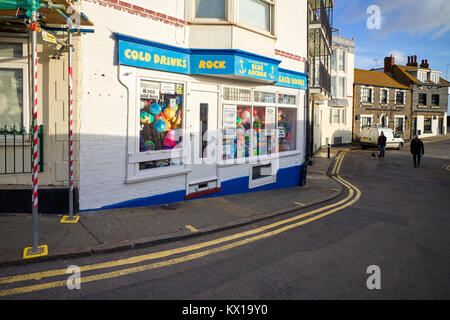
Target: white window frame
{"x":131,"y":77}
{"x":344,"y":90}
{"x":387,"y":96}
{"x":232,"y":17}
{"x":403,"y":122}
{"x":256,"y":159}
{"x":194,"y":19}
{"x":404,"y":97}
{"x":343,"y":61}
{"x":341,"y":112}
{"x":365,"y":116}
{"x":371,"y":95}
{"x":20,"y":63}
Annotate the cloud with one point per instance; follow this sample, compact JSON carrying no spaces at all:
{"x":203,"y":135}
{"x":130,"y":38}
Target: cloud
{"x":413,"y":16}
{"x":400,"y":57}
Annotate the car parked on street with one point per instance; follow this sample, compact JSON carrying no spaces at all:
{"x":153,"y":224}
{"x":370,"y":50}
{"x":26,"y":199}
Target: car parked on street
{"x":369,"y":138}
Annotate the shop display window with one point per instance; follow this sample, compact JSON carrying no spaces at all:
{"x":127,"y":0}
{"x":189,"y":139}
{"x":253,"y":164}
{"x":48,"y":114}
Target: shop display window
{"x":287,"y":121}
{"x":161,"y":123}
{"x":287,"y":99}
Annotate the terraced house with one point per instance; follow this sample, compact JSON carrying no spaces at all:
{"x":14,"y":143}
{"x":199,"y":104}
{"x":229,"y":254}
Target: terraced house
{"x":380,"y":100}
{"x":429,"y":95}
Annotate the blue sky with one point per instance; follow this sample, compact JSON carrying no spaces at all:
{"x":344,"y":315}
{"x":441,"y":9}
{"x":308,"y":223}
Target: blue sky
{"x":408,"y":27}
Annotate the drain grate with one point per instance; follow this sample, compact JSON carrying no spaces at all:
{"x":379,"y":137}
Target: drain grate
{"x":170,"y":207}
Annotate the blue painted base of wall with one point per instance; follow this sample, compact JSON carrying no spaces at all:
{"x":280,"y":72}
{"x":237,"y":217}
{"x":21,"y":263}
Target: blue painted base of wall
{"x":286,"y":178}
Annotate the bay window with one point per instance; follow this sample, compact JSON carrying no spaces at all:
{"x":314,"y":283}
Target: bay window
{"x":255,"y":15}
{"x":210,"y":9}
{"x":14,"y":112}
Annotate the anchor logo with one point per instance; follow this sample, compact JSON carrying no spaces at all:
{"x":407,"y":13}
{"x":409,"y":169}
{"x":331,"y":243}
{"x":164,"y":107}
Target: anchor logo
{"x":271,"y":75}
{"x":242,"y":70}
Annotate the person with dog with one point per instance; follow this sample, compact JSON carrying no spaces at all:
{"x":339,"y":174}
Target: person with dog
{"x":382,"y":145}
{"x":417,"y":150}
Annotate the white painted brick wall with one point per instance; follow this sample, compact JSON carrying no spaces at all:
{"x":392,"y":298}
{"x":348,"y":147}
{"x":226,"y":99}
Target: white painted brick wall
{"x":104,"y":109}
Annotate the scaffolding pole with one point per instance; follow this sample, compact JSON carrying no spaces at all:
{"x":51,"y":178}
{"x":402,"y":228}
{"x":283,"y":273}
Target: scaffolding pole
{"x":35,"y":250}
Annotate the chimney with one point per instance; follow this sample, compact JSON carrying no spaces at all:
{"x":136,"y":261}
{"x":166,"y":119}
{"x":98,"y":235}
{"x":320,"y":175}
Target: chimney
{"x":422,"y":65}
{"x":414,"y":64}
{"x":426,"y":64}
{"x":388,"y":63}
{"x":409,"y":61}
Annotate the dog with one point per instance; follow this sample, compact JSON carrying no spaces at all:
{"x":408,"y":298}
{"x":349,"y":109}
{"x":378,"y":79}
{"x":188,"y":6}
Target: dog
{"x":375,"y":155}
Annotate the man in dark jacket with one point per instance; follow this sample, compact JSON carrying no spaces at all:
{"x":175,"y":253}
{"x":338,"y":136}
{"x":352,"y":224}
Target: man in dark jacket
{"x":382,"y":144}
{"x":417,"y":150}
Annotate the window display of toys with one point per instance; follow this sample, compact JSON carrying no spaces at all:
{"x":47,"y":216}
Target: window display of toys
{"x":170,"y":113}
{"x":145,"y":117}
{"x":240,"y":147}
{"x":177,"y":121}
{"x":171,"y":139}
{"x":155,"y":109}
{"x":148,"y":145}
{"x":160,"y":125}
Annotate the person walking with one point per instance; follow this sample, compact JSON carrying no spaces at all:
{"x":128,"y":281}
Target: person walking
{"x":382,"y":145}
{"x":417,"y":150}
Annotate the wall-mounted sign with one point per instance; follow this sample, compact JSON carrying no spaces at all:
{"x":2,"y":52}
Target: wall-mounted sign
{"x":148,"y":57}
{"x":232,"y":63}
{"x":291,"y":79}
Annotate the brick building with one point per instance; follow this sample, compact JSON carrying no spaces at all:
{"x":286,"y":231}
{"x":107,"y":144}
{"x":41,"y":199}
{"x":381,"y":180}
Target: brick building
{"x":380,"y":100}
{"x":429,"y":95}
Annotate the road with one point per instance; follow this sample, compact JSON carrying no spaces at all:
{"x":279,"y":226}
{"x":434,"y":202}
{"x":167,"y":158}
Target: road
{"x":391,"y":215}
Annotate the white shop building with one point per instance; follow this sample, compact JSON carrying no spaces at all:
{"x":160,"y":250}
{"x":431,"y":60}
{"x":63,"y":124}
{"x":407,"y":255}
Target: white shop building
{"x":166,"y":117}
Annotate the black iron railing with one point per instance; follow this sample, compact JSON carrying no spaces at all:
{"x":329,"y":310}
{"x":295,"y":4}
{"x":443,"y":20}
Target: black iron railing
{"x":16,"y":150}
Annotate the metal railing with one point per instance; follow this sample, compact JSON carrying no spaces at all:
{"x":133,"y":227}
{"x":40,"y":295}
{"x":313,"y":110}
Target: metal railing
{"x":16,"y":150}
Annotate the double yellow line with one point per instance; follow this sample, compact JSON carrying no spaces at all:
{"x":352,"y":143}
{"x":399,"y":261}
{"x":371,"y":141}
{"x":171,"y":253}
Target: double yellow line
{"x":249,"y":237}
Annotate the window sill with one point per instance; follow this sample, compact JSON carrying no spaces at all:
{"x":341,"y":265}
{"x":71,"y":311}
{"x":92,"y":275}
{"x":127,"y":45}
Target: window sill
{"x":254,"y":160}
{"x":159,"y":174}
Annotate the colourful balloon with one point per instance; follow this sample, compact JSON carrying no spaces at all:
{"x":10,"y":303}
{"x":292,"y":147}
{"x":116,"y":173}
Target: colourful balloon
{"x":149,"y":145}
{"x":170,"y":113}
{"x":155,"y":109}
{"x":160,"y":125}
{"x":145,"y":117}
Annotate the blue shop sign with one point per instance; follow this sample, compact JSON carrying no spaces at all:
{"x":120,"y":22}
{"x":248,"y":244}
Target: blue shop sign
{"x":236,"y":63}
{"x":292,"y":79}
{"x":150,"y":57}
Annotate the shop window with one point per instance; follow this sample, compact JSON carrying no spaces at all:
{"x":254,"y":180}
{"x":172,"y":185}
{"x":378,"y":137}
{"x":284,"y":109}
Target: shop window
{"x":287,"y":123}
{"x":255,"y":13}
{"x":161,"y":123}
{"x":427,"y":125}
{"x":235,"y":94}
{"x":266,"y":97}
{"x":287,"y":99}
{"x":210,"y":9}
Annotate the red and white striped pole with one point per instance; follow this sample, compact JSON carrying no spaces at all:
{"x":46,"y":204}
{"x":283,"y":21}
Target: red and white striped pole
{"x":35,"y":169}
{"x":70,"y":218}
{"x":70,"y":111}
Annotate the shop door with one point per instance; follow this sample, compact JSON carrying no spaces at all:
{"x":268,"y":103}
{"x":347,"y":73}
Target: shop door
{"x":202,"y":124}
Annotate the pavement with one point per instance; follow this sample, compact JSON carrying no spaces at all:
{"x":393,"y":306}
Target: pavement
{"x":106,"y":231}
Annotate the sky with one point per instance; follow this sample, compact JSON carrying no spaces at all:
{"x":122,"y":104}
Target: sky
{"x":400,"y":28}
